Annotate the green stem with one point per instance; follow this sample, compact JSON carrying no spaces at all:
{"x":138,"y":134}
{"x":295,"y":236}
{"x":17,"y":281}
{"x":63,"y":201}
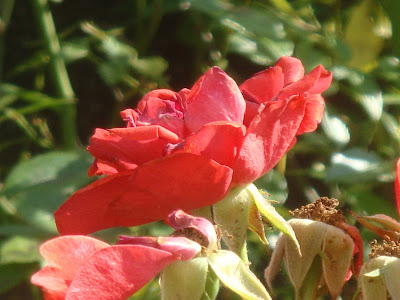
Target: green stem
{"x":309,"y":289}
{"x":243,"y":254}
{"x":58,"y":71}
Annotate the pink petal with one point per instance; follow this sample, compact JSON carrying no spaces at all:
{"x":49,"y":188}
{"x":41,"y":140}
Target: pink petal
{"x":148,"y":193}
{"x":353,"y":232}
{"x":315,"y":106}
{"x":214,"y":97}
{"x":181,"y":220}
{"x":269,"y":137}
{"x":292,"y":69}
{"x":164,"y":108}
{"x":121,"y":149}
{"x":69,"y":252}
{"x":397,"y":185}
{"x":117,"y":272}
{"x":263,"y":86}
{"x":217,"y":140}
{"x":179,"y":246}
{"x":51,"y":282}
{"x":252,"y":110}
{"x":315,"y":82}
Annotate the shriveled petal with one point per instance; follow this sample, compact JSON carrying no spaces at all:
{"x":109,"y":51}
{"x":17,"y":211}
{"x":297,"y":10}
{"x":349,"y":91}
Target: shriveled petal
{"x":269,"y":139}
{"x":180,"y":220}
{"x":178,"y":246}
{"x":274,"y":265}
{"x":69,"y":252}
{"x":263,"y":86}
{"x":148,"y":193}
{"x":117,"y":272}
{"x":397,"y":185}
{"x":315,"y":82}
{"x":338,"y":247}
{"x":391,"y":226}
{"x":51,"y":282}
{"x":292,"y":69}
{"x":219,"y":141}
{"x":310,"y":235}
{"x":122,"y":149}
{"x":358,"y":253}
{"x":214,"y":97}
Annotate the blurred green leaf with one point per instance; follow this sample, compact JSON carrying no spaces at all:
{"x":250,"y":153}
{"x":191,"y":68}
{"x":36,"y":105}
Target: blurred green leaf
{"x":275,"y":184}
{"x":19,"y":249}
{"x":335,"y":129}
{"x":13,"y":274}
{"x":354,"y":165}
{"x":37,"y":187}
{"x":365,"y":33}
{"x":152,"y":67}
{"x":392,"y":8}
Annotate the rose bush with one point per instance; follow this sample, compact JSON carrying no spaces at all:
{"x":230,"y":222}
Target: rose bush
{"x":186,"y":150}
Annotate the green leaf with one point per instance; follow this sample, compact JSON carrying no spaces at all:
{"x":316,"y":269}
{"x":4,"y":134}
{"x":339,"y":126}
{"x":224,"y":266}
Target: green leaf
{"x":362,"y":34}
{"x":19,"y":249}
{"x":276,"y":185}
{"x":271,"y":214}
{"x":354,"y":165}
{"x":37,"y":187}
{"x":13,"y":274}
{"x":335,"y":129}
{"x":234,"y":274}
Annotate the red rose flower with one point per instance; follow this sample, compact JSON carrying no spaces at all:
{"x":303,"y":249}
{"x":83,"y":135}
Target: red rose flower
{"x":186,"y":150}
{"x":81,"y":267}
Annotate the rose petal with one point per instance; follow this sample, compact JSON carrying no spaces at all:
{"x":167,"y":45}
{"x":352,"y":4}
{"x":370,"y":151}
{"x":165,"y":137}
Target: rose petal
{"x":358,"y":254}
{"x":214,"y":97}
{"x":121,"y":149}
{"x":292,"y":69}
{"x":181,"y":220}
{"x":315,"y":107}
{"x":178,"y":246}
{"x":117,"y":272}
{"x":315,"y":82}
{"x":263,"y":86}
{"x":217,"y":140}
{"x":69,"y":252}
{"x":52,"y":283}
{"x":148,"y":193}
{"x":162,"y":107}
{"x":268,"y":139}
{"x":252,"y":110}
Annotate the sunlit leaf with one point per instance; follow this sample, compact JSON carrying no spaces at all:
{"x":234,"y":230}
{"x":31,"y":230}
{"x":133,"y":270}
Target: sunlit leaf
{"x":354,"y":165}
{"x":234,"y":274}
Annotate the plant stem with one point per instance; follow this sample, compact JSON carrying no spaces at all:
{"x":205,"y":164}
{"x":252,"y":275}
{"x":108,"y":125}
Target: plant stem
{"x":58,"y":72}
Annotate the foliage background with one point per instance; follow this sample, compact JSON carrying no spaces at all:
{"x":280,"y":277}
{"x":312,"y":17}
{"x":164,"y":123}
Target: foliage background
{"x":112,"y":52}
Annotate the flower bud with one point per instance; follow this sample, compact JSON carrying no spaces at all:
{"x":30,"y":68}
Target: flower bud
{"x":379,"y":276}
{"x":325,"y":249}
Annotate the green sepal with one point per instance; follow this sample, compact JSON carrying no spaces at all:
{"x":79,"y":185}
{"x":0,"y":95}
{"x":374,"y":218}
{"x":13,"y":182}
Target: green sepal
{"x":236,"y":275}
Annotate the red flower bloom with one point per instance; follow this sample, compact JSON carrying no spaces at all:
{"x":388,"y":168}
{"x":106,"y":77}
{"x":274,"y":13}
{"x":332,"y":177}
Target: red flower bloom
{"x":186,"y":150}
{"x":81,"y":267}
